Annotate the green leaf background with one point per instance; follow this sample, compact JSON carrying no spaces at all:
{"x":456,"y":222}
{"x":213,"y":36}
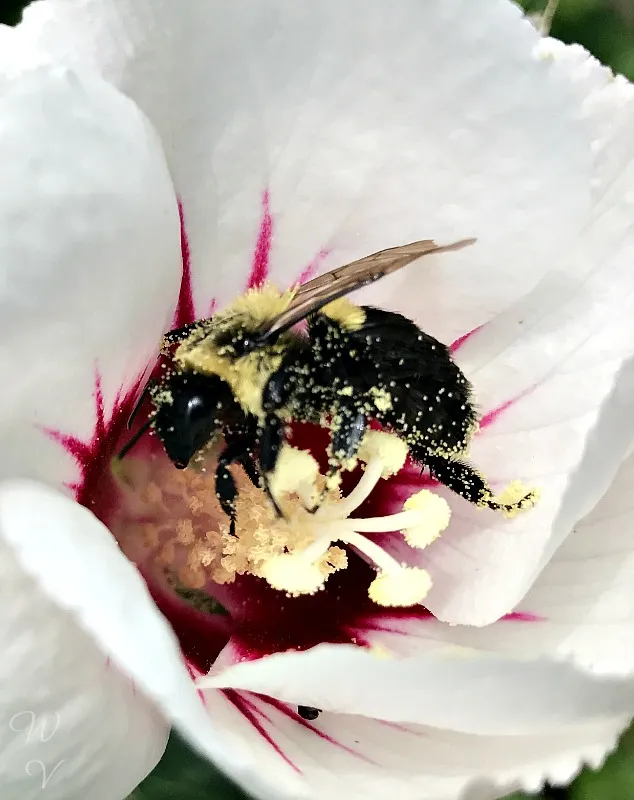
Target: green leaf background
{"x":606,"y":28}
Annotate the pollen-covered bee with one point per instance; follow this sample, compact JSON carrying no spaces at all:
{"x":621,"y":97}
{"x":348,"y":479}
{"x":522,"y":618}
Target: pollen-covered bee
{"x":246,"y":373}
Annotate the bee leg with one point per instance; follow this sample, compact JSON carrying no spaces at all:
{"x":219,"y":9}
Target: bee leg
{"x":226,"y":489}
{"x":244,"y":440}
{"x":466,"y":481}
{"x":346,"y":440}
{"x":271,"y":438}
{"x":252,"y":473}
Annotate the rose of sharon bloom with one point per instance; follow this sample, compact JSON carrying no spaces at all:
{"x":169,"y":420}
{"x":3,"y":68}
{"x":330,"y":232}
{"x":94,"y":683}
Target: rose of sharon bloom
{"x":158,"y":160}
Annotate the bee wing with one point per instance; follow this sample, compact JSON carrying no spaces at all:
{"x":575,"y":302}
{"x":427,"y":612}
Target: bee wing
{"x":324,"y":289}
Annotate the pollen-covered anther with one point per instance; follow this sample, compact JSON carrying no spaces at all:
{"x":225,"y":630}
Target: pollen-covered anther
{"x":386,"y":447}
{"x":292,"y":574}
{"x":406,"y":586}
{"x":434,"y":513}
{"x":296,"y":473}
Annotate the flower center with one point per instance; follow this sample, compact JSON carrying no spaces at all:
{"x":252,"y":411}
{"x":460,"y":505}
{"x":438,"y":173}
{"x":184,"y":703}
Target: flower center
{"x":176,"y":516}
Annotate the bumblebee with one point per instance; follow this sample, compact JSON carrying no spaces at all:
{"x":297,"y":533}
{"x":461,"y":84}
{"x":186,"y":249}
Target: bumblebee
{"x":246,"y":373}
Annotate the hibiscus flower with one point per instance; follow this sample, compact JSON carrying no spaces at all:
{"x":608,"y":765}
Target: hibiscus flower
{"x":157,"y":161}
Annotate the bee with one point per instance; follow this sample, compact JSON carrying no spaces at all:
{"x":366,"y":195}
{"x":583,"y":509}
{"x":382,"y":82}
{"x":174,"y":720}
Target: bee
{"x":246,"y":373}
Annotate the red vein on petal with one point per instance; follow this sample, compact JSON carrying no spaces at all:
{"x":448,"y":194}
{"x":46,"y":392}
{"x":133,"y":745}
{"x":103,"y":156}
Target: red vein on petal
{"x":92,"y":453}
{"x":278,"y":705}
{"x":239,"y":703}
{"x":397,"y":727}
{"x":457,"y":344}
{"x":388,"y":623}
{"x":262,"y":252}
{"x":84,"y":451}
{"x":194,"y":674}
{"x":522,"y":616}
{"x":493,"y":416}
{"x":185,"y":311}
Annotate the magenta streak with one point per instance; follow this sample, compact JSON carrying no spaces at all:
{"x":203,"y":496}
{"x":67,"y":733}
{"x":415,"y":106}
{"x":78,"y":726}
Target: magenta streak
{"x":312,"y":267}
{"x":243,"y":707}
{"x":493,"y":416}
{"x":185,"y":311}
{"x":194,"y":674}
{"x":83,"y":452}
{"x":522,"y":616}
{"x":286,"y":711}
{"x":396,"y":727}
{"x":381,"y":624}
{"x":261,"y":254}
{"x":462,"y":339}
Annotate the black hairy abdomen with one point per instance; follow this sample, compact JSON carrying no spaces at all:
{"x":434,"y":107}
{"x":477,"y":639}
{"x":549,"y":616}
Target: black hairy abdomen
{"x":430,"y":398}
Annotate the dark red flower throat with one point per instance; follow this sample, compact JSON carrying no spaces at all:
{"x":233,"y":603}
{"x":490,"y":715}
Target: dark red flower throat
{"x":259,"y":620}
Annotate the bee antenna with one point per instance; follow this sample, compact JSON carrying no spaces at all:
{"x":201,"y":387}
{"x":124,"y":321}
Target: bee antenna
{"x":134,"y":439}
{"x":138,"y":405}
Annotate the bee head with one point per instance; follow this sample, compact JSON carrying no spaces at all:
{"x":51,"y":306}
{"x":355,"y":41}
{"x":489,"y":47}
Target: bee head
{"x":236,"y":342}
{"x":189,"y":411}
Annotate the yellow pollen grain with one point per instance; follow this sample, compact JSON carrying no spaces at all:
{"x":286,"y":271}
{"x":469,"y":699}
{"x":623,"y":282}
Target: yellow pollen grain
{"x":381,"y":398}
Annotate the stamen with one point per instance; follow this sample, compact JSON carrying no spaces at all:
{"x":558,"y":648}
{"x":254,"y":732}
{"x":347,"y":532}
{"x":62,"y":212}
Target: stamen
{"x":177,"y":516}
{"x":384,"y":455}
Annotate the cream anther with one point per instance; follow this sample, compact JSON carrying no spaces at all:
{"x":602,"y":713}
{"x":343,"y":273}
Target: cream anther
{"x":296,"y":472}
{"x":292,"y":574}
{"x":405,"y":587}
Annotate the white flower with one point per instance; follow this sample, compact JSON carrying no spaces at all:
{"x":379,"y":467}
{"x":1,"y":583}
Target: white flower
{"x":300,"y":137}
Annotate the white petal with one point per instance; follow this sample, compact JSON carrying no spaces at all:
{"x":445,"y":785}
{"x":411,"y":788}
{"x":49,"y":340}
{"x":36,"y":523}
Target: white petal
{"x":368,"y":125}
{"x":559,"y":366}
{"x":104,"y":605}
{"x":445,"y":687}
{"x":73,"y":724}
{"x":89,"y":261}
{"x":581,"y":607}
{"x":355,"y":757}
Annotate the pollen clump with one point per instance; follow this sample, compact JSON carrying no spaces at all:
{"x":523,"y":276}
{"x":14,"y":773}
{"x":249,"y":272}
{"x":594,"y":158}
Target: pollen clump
{"x":515,"y":498}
